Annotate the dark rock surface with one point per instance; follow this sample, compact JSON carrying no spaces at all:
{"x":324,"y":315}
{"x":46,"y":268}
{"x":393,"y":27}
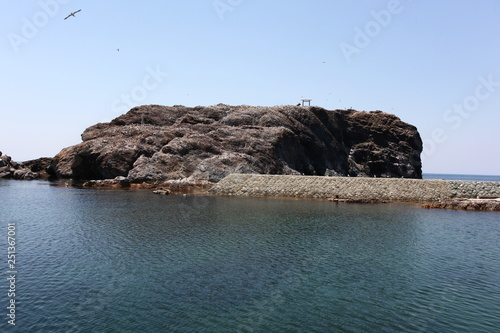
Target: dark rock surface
{"x":14,"y":170}
{"x":159,"y":143}
{"x":39,"y":166}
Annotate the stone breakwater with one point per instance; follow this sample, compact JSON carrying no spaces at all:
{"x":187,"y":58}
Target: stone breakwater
{"x":377,"y":189}
{"x":466,"y":204}
{"x":474,"y":189}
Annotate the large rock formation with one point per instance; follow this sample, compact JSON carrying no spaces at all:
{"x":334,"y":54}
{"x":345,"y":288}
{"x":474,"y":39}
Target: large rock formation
{"x":39,"y":166}
{"x":14,"y":170}
{"x":158,"y":143}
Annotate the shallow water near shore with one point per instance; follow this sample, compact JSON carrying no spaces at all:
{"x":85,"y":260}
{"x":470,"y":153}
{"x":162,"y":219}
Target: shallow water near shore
{"x":130,"y":261}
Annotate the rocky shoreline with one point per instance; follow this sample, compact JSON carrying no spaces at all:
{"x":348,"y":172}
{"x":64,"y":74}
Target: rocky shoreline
{"x":10,"y":169}
{"x":492,"y":205}
{"x":165,"y":187}
{"x":280,"y":151}
{"x":430,"y":194}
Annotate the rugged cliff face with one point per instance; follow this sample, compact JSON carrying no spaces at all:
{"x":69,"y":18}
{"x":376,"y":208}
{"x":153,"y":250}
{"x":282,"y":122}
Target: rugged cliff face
{"x":157,"y":143}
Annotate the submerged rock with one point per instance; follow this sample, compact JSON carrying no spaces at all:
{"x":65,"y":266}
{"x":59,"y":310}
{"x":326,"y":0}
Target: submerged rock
{"x":159,"y":143}
{"x":119,"y":181}
{"x":162,"y":192}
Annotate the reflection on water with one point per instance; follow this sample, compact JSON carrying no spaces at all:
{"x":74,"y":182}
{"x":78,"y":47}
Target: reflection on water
{"x":132,"y":261}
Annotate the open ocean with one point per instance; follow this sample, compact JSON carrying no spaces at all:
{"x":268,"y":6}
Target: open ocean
{"x":88,"y":260}
{"x":461,"y":177}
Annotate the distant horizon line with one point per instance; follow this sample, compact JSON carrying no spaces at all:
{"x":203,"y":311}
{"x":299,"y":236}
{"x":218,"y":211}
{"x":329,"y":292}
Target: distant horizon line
{"x":458,"y":174}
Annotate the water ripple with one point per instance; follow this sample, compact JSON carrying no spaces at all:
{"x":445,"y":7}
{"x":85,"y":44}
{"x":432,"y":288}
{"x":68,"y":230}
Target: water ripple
{"x":129,"y":261}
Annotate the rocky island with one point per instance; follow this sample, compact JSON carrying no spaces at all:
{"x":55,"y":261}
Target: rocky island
{"x":199,"y":146}
{"x":283,"y":151}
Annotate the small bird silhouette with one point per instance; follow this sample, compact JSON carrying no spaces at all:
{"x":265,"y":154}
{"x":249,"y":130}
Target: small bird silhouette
{"x":73,"y":14}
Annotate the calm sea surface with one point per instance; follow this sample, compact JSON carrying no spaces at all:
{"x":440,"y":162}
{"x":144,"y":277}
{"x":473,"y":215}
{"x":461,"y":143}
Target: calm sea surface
{"x":481,"y":178}
{"x":131,"y":261}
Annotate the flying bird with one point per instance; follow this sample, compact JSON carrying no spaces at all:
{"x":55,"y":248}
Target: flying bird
{"x":73,"y":14}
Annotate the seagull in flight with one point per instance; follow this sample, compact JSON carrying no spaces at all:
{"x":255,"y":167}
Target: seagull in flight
{"x":72,"y":14}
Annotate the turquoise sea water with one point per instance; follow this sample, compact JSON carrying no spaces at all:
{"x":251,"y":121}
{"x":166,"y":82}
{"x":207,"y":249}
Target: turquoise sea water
{"x":131,"y":261}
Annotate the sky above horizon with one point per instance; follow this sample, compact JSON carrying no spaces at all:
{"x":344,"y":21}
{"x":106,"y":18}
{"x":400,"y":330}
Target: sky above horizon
{"x":434,"y":64}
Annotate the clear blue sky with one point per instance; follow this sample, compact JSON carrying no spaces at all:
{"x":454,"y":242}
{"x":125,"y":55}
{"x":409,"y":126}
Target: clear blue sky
{"x":435,"y":64}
